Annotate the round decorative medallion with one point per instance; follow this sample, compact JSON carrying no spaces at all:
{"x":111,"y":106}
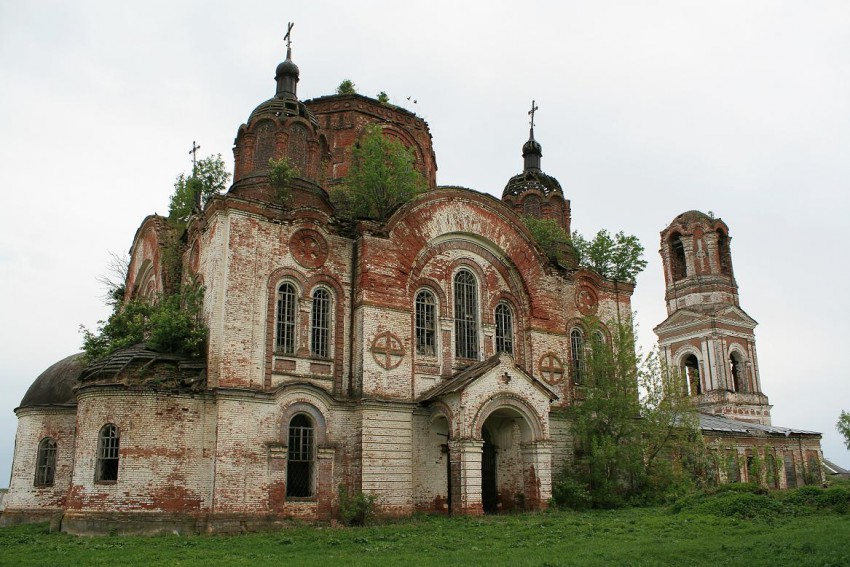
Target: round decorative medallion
{"x":551,"y":368}
{"x":309,"y":248}
{"x":586,"y":300}
{"x":387,"y":350}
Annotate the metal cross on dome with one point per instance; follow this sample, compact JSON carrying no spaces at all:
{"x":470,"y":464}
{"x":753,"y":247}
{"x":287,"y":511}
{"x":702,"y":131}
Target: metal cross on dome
{"x":534,"y":107}
{"x":194,"y":152}
{"x":287,"y":38}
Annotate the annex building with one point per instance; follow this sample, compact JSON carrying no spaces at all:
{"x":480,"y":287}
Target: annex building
{"x":428,"y":360}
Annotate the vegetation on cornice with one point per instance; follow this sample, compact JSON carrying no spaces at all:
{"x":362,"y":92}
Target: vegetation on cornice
{"x":382,"y":177}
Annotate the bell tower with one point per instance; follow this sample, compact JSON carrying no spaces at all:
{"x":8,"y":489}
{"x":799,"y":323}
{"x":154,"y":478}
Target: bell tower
{"x":707,"y":337}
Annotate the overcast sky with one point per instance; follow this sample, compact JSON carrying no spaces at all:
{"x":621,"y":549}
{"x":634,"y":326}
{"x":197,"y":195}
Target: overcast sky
{"x":647,"y":109}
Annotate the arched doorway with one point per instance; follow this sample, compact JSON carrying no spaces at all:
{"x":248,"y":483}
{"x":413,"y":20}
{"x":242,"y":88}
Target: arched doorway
{"x":507,"y":479}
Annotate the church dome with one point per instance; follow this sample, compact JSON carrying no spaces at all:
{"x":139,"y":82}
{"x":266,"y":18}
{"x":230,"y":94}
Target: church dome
{"x":139,"y":366}
{"x":693,"y":216}
{"x":530,"y":180}
{"x":55,"y":386}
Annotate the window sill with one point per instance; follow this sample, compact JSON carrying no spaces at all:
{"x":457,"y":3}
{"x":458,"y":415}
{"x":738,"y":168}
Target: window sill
{"x":105,"y":482}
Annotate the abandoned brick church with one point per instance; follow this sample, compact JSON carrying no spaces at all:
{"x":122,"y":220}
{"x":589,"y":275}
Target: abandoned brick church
{"x":428,"y":360}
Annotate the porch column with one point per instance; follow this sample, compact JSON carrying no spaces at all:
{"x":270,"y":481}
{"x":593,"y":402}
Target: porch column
{"x":465,"y":455}
{"x":537,"y":474}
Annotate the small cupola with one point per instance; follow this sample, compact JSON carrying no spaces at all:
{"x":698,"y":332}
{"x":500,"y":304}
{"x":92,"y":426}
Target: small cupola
{"x":532,"y":151}
{"x":286,"y":76}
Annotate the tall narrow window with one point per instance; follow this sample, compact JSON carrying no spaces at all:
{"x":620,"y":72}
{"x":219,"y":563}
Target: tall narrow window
{"x":286,"y":308}
{"x":504,"y":329}
{"x":724,"y":255}
{"x":321,"y":319}
{"x":466,"y":315}
{"x":300,"y":458}
{"x":426,"y":324}
{"x":733,"y":470}
{"x":678,"y":264}
{"x":736,"y":371}
{"x":45,"y":465}
{"x":790,"y":472}
{"x":692,"y":382}
{"x":770,"y":471}
{"x":577,"y":355}
{"x":107,"y":453}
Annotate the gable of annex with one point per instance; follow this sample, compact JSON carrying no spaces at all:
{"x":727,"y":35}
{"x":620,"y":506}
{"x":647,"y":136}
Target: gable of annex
{"x":145,"y":278}
{"x":465,"y":219}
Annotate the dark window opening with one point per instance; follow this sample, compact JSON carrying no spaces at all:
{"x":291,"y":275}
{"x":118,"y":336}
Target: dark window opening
{"x":321,"y":323}
{"x":45,"y":465}
{"x":286,"y":309}
{"x":300,"y":458}
{"x":733,"y":471}
{"x":504,"y":329}
{"x":577,"y":355}
{"x":736,"y":370}
{"x":790,"y":472}
{"x":466,"y":315}
{"x":693,"y":384}
{"x":724,"y":255}
{"x":678,"y":264}
{"x":426,"y":324}
{"x":107,"y":454}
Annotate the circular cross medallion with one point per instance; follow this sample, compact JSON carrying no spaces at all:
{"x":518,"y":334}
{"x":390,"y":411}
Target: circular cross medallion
{"x":551,"y":368}
{"x":387,"y":350}
{"x":309,"y":248}
{"x":586,"y":300}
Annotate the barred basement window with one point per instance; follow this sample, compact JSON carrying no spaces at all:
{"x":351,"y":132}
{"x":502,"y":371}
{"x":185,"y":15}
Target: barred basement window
{"x":425,"y":324}
{"x":299,"y":466}
{"x":466,"y":315}
{"x":321,"y":328}
{"x":577,"y":355}
{"x":504,"y":329}
{"x":286,"y":309}
{"x":45,"y":462}
{"x":107,"y":454}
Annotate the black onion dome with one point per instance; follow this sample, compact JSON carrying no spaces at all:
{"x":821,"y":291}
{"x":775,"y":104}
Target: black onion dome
{"x":531,"y":180}
{"x":55,"y":386}
{"x":287,"y":67}
{"x":532,"y":146}
{"x":139,"y":366}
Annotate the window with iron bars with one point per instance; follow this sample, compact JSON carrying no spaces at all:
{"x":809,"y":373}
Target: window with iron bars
{"x":300,"y":458}
{"x":287,"y":304}
{"x":577,"y":355}
{"x":107,"y":454}
{"x":45,"y":466}
{"x":466,"y":315}
{"x":504,"y":328}
{"x":426,"y":325}
{"x":320,"y":329}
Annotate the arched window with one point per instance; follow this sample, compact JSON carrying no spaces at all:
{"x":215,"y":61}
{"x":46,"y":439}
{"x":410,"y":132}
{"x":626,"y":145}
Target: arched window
{"x":577,"y":355}
{"x":300,"y":458}
{"x":531,"y":206}
{"x":504,"y":328}
{"x":724,"y":254}
{"x":107,"y":454}
{"x":466,"y":315}
{"x":426,"y":323}
{"x":287,"y":305}
{"x":678,"y":265}
{"x":736,"y":371}
{"x":321,"y":323}
{"x":733,"y":470}
{"x":790,"y":472}
{"x":45,"y":462}
{"x":690,"y":370}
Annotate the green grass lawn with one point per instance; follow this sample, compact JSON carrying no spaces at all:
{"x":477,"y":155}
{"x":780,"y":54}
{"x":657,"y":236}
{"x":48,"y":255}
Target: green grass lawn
{"x":648,"y":536}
